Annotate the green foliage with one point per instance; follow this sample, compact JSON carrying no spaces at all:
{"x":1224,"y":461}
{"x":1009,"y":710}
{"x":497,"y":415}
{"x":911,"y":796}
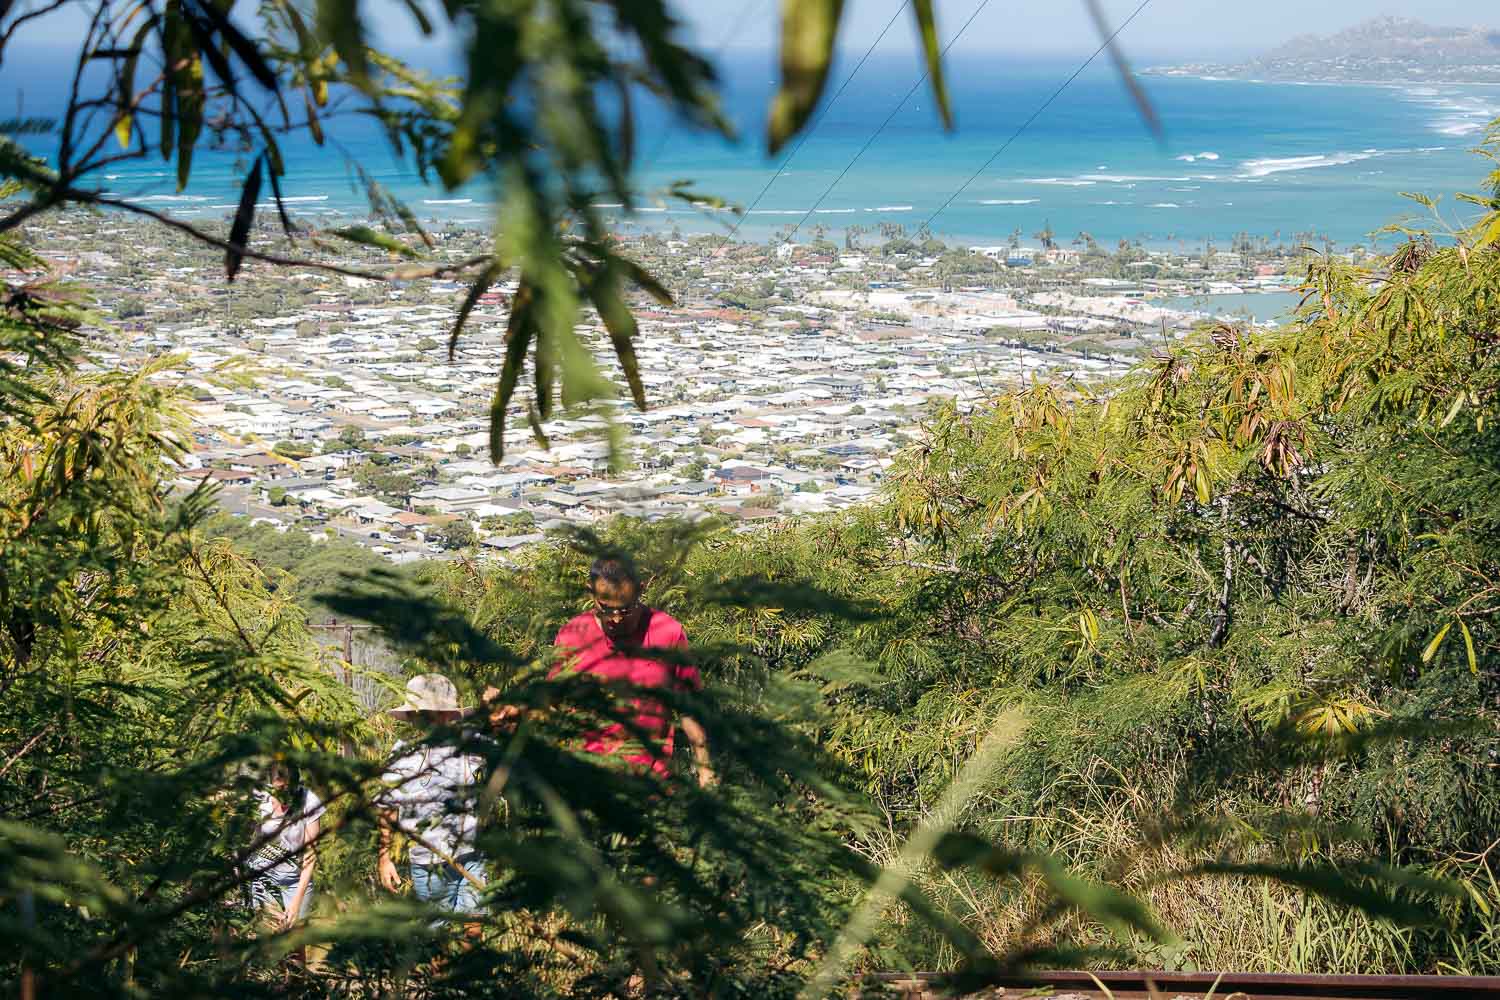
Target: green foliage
{"x":1245,"y":596}
{"x":1243,"y":604}
{"x":375,"y":475}
{"x":297,"y":566}
{"x":152,"y":673}
{"x":577,"y":67}
{"x":456,"y":534}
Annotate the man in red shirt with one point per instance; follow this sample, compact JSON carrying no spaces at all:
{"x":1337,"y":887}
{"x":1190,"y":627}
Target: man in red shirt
{"x":612,"y":642}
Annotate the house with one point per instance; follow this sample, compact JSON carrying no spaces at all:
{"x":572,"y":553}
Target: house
{"x":450,"y":499}
{"x":376,"y":512}
{"x":790,"y":479}
{"x":841,"y":386}
{"x":742,"y":479}
{"x":693,"y":489}
{"x":488,"y":510}
{"x":506,"y":543}
{"x":226,"y":477}
{"x":264,"y":466}
{"x":558,"y":500}
{"x":861,"y":467}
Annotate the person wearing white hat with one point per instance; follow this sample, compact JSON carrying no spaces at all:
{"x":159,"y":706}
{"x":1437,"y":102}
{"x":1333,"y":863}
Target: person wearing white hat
{"x":429,"y":798}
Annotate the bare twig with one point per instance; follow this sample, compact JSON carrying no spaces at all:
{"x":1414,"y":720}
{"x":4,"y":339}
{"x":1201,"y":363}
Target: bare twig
{"x":27,"y":747}
{"x":58,"y":196}
{"x":29,"y":16}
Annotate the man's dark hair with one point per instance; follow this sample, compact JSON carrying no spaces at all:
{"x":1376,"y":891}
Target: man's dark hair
{"x":296,"y":791}
{"x":615,"y":570}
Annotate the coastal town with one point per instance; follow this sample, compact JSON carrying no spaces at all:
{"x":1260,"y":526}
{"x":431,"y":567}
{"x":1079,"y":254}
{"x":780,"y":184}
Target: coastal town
{"x":782,"y":381}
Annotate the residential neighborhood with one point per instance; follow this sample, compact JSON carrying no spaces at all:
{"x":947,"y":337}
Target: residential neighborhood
{"x":782,"y":381}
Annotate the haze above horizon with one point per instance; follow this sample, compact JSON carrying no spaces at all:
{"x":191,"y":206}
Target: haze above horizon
{"x":1166,"y":29}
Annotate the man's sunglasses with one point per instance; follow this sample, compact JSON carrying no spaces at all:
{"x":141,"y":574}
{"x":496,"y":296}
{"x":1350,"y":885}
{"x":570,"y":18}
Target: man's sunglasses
{"x":617,"y":614}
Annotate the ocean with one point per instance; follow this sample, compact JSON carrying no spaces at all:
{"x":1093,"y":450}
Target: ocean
{"x":1269,"y":159}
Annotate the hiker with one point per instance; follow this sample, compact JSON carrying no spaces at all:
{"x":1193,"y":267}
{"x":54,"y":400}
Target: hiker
{"x":613,"y":642}
{"x":288,"y":828}
{"x":428,"y":798}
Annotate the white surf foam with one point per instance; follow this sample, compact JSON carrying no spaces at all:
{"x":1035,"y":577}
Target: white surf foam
{"x":1009,"y":201}
{"x":1131,"y":178}
{"x":1458,"y":114}
{"x":1059,"y":181}
{"x":1164,"y":204}
{"x":457,"y":201}
{"x":1266,"y":166}
{"x":1195,"y":157}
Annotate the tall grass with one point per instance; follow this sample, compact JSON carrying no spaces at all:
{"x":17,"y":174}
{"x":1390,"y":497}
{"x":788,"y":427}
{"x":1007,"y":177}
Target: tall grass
{"x":1221,"y":923}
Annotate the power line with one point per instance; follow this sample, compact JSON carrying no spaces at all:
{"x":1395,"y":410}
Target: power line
{"x":895,"y":111}
{"x":807,"y":134}
{"x":1036,"y":114}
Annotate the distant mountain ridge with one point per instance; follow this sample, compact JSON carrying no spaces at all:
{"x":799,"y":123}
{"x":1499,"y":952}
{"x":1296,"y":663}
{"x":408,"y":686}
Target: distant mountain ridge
{"x":1380,"y":50}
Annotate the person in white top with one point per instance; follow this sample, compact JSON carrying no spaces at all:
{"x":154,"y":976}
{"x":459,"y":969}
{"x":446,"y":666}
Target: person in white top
{"x":429,"y":798}
{"x":290,"y":814}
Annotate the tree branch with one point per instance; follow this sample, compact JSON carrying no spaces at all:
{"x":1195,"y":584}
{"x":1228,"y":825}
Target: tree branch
{"x":223,"y":600}
{"x":66,"y":194}
{"x":29,"y":16}
{"x":27,"y":748}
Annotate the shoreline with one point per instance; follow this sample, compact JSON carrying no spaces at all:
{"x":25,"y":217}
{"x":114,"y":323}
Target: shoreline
{"x":640,"y":226}
{"x":1172,"y":73}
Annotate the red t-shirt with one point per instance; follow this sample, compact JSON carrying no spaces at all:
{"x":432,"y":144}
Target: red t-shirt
{"x":586,"y":649}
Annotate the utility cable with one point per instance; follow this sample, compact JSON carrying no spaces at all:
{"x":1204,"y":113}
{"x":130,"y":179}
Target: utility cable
{"x":895,"y":111}
{"x":1036,"y":114}
{"x":807,"y":133}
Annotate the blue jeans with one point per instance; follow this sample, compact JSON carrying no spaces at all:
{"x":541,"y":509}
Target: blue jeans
{"x":444,"y":886}
{"x":277,"y":896}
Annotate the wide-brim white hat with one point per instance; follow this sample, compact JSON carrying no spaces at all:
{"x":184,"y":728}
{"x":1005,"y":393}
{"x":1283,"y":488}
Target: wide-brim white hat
{"x":428,"y":693}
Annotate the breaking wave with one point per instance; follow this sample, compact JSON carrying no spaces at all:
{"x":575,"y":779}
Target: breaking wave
{"x":1275,"y":165}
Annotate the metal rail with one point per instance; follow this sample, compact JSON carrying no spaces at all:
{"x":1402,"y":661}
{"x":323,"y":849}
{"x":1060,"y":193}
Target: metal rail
{"x":1143,"y":985}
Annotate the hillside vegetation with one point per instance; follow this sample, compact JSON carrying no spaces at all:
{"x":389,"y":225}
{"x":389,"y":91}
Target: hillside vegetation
{"x":1246,"y":599}
{"x":1198,"y":668}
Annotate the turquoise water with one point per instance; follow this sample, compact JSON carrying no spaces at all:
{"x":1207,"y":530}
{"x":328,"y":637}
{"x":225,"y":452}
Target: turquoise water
{"x":1259,"y":306}
{"x":1273,"y":160}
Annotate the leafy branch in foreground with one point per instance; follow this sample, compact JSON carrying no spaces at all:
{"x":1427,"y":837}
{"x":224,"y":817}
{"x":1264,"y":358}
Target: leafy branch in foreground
{"x":543,"y":112}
